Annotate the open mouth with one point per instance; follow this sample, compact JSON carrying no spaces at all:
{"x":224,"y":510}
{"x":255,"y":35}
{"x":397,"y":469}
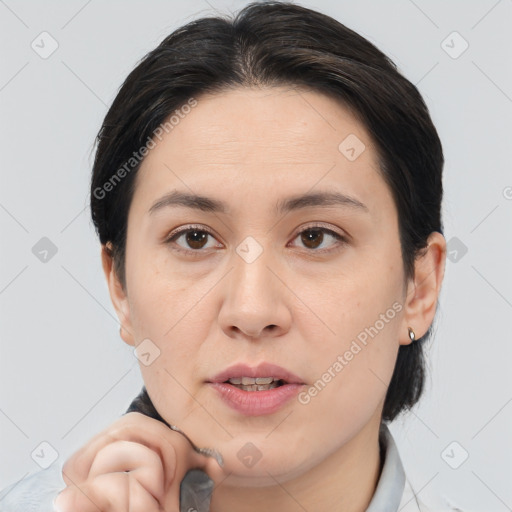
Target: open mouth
{"x":255,"y":384}
{"x":256,"y":391}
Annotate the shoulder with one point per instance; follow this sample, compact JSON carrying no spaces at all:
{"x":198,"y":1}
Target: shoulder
{"x":34,"y":492}
{"x":400,"y":486}
{"x":412,"y":503}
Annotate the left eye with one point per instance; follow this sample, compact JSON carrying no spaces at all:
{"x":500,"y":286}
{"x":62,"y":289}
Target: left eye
{"x":312,"y":237}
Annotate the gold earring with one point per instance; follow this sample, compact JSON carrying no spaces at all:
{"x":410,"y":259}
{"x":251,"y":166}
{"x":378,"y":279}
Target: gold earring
{"x":412,"y":335}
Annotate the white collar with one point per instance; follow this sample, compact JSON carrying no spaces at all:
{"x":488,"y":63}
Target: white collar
{"x":393,"y":492}
{"x":391,"y":484}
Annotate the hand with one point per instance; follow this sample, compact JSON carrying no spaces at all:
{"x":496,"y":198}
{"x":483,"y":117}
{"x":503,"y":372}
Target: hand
{"x":134,"y":465}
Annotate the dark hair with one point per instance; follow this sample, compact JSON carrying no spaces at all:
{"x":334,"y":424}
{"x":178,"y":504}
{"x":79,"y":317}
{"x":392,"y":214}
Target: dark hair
{"x":271,"y":43}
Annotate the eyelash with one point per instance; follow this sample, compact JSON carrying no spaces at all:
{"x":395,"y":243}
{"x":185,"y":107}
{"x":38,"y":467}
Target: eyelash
{"x":341,"y":240}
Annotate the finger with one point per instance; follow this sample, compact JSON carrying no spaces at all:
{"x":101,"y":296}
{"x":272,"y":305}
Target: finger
{"x":209,"y":465}
{"x":76,"y":467}
{"x":188,"y":456}
{"x":115,"y":492}
{"x":132,"y":426}
{"x":212,"y":468}
{"x":186,"y":459}
{"x":143,"y":463}
{"x":170,"y":446}
{"x":136,"y":427}
{"x":81,"y":498}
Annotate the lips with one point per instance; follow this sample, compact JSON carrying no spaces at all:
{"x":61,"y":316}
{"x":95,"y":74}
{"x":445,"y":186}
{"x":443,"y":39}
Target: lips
{"x":260,"y":395}
{"x":262,"y":371}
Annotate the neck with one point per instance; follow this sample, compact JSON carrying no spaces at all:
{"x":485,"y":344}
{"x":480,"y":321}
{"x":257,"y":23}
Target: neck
{"x":345,"y":482}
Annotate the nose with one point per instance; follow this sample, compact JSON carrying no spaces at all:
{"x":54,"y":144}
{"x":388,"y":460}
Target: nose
{"x":255,"y":299}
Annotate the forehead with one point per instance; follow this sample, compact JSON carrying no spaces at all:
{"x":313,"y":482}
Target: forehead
{"x":263,"y":141}
{"x":289,"y":122}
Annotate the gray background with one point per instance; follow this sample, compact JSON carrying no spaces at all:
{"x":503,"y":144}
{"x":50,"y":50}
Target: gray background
{"x":65,"y":373}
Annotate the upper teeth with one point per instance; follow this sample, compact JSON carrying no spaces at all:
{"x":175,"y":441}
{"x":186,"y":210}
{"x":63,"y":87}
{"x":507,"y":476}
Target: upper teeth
{"x":248,"y":381}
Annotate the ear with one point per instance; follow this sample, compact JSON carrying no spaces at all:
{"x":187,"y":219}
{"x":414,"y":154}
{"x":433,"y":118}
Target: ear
{"x":423,"y":291}
{"x":117,"y":295}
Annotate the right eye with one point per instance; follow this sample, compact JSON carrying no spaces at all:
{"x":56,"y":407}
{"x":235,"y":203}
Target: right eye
{"x":195,"y":238}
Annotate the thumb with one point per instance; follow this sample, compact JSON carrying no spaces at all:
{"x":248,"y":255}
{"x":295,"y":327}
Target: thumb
{"x":211,"y":462}
{"x":206,"y":459}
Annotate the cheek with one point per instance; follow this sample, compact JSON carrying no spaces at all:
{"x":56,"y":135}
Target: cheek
{"x":355,"y":305}
{"x":355,"y":348}
{"x":160,"y":298}
{"x":174,"y":312}
{"x":349,"y":386}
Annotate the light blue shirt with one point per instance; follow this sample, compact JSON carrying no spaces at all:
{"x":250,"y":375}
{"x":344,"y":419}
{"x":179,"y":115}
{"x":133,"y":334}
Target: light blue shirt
{"x":36,"y":492}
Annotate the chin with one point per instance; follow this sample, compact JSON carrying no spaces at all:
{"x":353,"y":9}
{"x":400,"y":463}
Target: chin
{"x":258,"y":477}
{"x":249,"y":466}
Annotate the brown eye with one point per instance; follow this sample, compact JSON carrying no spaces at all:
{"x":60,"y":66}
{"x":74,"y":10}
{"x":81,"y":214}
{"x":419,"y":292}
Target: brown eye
{"x":313,"y":237}
{"x":194,"y":239}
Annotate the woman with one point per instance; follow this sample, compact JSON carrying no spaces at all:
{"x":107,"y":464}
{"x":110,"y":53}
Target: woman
{"x":267,"y":192}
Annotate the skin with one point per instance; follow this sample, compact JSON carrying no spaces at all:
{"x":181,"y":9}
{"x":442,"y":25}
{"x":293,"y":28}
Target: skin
{"x":131,"y":466}
{"x":208,"y":309}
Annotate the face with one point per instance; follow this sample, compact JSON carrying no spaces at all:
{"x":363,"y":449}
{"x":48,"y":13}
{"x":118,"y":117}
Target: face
{"x":315,"y":288}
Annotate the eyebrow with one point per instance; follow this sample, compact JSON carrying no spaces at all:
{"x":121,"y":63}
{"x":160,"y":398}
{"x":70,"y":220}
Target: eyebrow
{"x":206,"y":204}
